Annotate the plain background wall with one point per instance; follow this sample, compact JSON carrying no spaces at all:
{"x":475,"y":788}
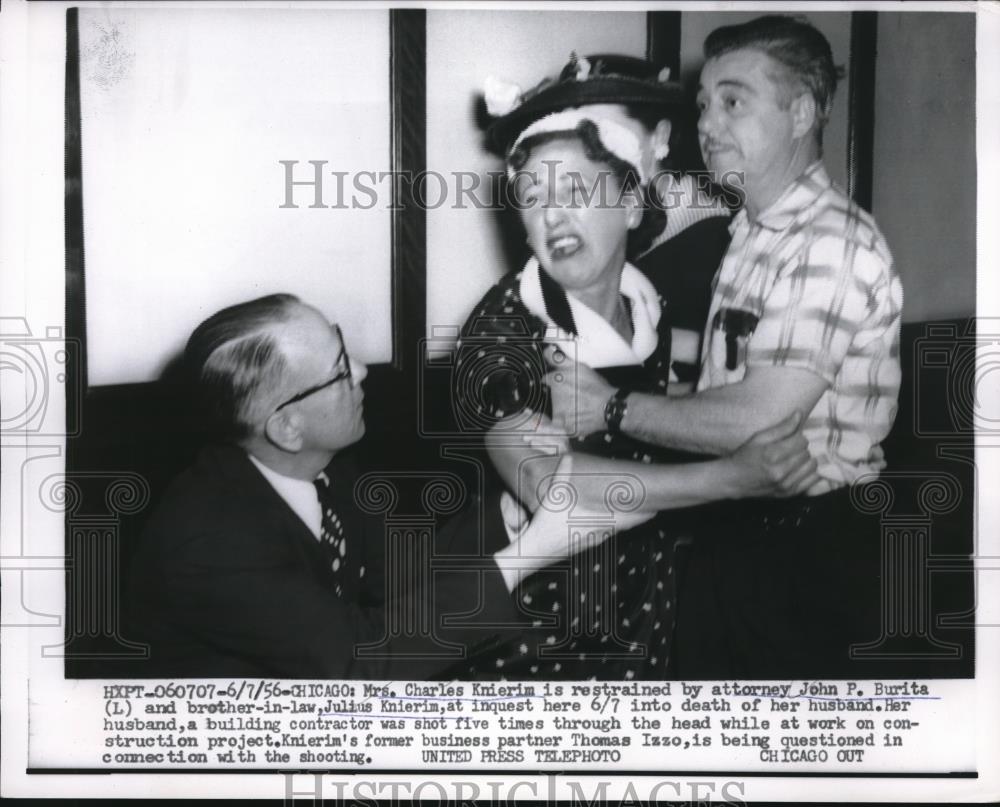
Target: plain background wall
{"x":924,"y":194}
{"x":185,"y":116}
{"x":465,"y":254}
{"x":925,"y":158}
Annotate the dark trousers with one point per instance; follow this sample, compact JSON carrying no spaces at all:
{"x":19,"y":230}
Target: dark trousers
{"x":779,"y":589}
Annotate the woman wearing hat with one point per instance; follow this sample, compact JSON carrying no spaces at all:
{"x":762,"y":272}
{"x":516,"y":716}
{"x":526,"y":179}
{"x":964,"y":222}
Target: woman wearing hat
{"x":581,"y":181}
{"x":690,"y":227}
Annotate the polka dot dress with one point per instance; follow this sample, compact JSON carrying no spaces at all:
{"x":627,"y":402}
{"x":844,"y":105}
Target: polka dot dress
{"x":608,"y":613}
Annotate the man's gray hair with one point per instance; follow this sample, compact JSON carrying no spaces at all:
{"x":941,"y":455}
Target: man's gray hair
{"x":232,"y":357}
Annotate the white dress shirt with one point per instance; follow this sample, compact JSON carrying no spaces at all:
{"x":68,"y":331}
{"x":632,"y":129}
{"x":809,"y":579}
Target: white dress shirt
{"x":300,"y":495}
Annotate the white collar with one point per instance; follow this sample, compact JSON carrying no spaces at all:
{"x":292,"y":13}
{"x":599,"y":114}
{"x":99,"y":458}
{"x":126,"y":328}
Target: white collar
{"x":300,"y":495}
{"x":597,"y":343}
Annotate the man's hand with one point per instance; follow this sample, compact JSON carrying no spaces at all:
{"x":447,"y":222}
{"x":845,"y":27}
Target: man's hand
{"x":877,"y":457}
{"x":775,"y":462}
{"x":527,"y":457}
{"x":550,"y":536}
{"x":546,"y":436}
{"x":579,"y":394}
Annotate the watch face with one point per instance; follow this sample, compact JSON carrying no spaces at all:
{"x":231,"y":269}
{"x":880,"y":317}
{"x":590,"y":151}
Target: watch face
{"x":614,"y":410}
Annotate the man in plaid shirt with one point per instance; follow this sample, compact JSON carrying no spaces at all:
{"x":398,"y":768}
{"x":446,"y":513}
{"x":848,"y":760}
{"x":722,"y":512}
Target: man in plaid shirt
{"x":805,"y":317}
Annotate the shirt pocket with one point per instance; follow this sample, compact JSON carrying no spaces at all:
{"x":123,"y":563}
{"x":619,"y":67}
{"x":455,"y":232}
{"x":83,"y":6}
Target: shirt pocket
{"x":733,"y":328}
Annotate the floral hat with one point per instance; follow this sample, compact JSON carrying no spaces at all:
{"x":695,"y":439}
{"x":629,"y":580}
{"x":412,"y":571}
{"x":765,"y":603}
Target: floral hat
{"x":598,"y":79}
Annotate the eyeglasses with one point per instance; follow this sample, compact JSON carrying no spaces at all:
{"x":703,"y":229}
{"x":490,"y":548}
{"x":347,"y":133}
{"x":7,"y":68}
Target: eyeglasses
{"x":345,"y":373}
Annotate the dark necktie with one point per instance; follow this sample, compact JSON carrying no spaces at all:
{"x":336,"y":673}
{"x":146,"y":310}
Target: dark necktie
{"x":331,"y":531}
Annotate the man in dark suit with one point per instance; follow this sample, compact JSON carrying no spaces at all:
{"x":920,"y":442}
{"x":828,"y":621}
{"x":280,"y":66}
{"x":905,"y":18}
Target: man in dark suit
{"x":257,"y":562}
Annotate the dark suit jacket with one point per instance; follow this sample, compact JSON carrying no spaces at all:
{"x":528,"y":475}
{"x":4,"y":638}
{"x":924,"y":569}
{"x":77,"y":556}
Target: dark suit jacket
{"x":228,"y":581}
{"x":683,"y":270}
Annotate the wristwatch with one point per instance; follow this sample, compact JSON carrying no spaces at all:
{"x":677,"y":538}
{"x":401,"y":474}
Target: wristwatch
{"x":615,"y":409}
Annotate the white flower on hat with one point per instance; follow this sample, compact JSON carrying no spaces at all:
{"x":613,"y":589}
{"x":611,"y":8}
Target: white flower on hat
{"x":582,"y":69}
{"x":502,"y":97}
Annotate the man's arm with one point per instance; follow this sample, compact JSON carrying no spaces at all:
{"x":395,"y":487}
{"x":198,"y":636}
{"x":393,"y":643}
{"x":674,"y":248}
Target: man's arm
{"x":715,"y":421}
{"x":236,"y":588}
{"x":267,"y":611}
{"x":773,"y":462}
{"x":822,"y":299}
{"x":551,"y":536}
{"x":521,"y":466}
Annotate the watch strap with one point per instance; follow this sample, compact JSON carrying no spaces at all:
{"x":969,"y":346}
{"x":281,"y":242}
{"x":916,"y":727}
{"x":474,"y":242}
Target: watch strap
{"x":615,"y":409}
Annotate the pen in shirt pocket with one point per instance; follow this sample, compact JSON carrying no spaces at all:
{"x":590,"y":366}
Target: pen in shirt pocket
{"x":736,"y":324}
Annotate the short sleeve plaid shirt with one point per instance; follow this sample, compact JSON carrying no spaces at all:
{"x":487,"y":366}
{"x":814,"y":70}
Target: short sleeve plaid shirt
{"x":811,"y":284}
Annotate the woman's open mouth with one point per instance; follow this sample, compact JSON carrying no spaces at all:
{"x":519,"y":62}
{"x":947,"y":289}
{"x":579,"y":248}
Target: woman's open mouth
{"x":563,"y":246}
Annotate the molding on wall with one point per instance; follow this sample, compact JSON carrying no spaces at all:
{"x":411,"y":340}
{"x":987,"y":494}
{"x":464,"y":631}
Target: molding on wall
{"x":75,"y":291}
{"x":663,"y":40}
{"x":408,"y":91}
{"x":861,"y":107}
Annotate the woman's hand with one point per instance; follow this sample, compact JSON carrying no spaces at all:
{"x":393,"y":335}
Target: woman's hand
{"x":774,"y":462}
